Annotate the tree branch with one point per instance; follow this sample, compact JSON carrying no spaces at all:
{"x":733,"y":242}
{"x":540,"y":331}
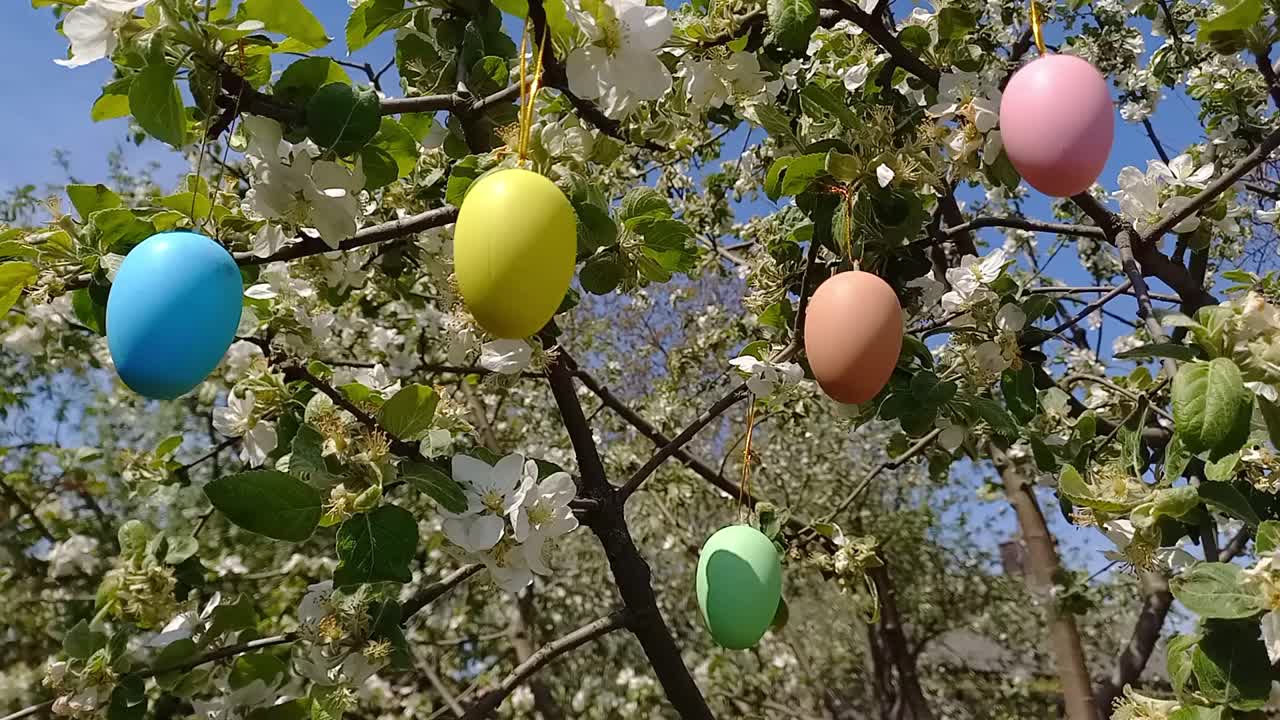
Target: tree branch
{"x":1215,"y":188}
{"x":630,"y":571}
{"x":432,"y":592}
{"x":1025,"y":224}
{"x":545,"y":655}
{"x":673,"y":446}
{"x":27,"y":510}
{"x":392,"y":230}
{"x":875,"y":28}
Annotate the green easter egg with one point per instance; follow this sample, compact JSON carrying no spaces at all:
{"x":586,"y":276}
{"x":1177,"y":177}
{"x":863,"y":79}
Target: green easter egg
{"x":739,"y":585}
{"x":513,"y":251}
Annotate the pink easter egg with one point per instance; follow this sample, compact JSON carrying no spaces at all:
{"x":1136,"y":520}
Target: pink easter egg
{"x":1058,"y":123}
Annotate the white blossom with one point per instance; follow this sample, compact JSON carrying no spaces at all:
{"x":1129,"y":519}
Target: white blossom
{"x":77,"y":555}
{"x":290,"y":184}
{"x":1140,"y":202}
{"x":506,"y":357}
{"x":884,"y":175}
{"x":542,"y":512}
{"x":491,"y":495}
{"x":237,"y":419}
{"x":1182,"y":172}
{"x":764,"y":376}
{"x":619,"y":65}
{"x":93,"y":29}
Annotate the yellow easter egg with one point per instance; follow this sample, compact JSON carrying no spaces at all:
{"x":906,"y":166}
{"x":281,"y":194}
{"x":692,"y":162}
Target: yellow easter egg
{"x":513,"y":251}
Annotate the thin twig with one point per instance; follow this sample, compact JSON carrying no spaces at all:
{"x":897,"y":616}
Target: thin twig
{"x":545,"y":655}
{"x":1025,"y":224}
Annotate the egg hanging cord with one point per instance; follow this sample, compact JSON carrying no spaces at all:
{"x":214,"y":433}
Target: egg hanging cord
{"x":528,"y":90}
{"x":744,"y":487}
{"x":1037,"y":32}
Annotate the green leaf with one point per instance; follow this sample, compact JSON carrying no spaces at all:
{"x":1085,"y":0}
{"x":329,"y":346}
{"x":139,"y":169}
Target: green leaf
{"x":14,"y":276}
{"x":802,"y":171}
{"x":1231,"y":665}
{"x":1019,"y":390}
{"x":1268,"y":539}
{"x":1211,"y":407}
{"x":461,"y":176}
{"x":301,"y":80}
{"x":343,"y":118}
{"x":88,"y":313}
{"x":1226,"y":498}
{"x":372,"y":18}
{"x":379,"y":167}
{"x":1271,"y":415}
{"x":1176,"y":458}
{"x":596,"y":229}
{"x":1179,"y":652}
{"x":288,"y":17}
{"x":180,"y":547}
{"x":1162,"y":350}
{"x":128,"y":699}
{"x":267,"y":502}
{"x":644,"y":201}
{"x":1222,"y":470}
{"x":256,"y":666}
{"x":775,"y":122}
{"x":1236,"y":15}
{"x":231,"y":616}
{"x":384,"y":624}
{"x":90,"y":198}
{"x":436,"y":483}
{"x":773,"y":178}
{"x":954,"y":23}
{"x":1001,"y":422}
{"x":601,"y":274}
{"x":306,"y":456}
{"x":1217,"y":590}
{"x":376,"y":547}
{"x":409,"y":412}
{"x":110,"y":105}
{"x":1072,"y":485}
{"x":488,"y":75}
{"x":793,"y":22}
{"x":81,"y":642}
{"x":157,"y":105}
{"x":819,"y":97}
{"x":399,"y":143}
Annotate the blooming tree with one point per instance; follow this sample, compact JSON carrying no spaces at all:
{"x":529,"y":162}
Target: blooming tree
{"x":373,"y":508}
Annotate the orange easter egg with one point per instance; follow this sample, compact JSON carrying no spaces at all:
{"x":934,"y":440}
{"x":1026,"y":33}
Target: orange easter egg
{"x":852,"y":335}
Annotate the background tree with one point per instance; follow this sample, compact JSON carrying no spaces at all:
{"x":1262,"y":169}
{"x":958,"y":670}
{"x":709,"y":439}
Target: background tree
{"x":365,"y":510}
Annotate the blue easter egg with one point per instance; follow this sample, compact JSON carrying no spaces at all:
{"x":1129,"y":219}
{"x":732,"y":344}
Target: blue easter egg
{"x":172,"y":313}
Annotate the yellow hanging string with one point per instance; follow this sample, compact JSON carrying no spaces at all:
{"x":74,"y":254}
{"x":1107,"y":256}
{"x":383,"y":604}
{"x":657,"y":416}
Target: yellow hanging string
{"x":744,"y":486}
{"x":524,"y":90}
{"x":526,"y":107}
{"x":1036,"y":31}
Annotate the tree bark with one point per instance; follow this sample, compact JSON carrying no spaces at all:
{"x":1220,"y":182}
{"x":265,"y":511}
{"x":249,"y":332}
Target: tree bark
{"x":630,"y":570}
{"x":910,"y":701}
{"x":1043,"y":565}
{"x":523,"y":631}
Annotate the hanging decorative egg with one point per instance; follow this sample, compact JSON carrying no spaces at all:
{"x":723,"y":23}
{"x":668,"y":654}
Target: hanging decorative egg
{"x":172,"y":313}
{"x":739,"y":585}
{"x":1057,"y":123}
{"x":513,"y":251}
{"x":852,"y":335}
